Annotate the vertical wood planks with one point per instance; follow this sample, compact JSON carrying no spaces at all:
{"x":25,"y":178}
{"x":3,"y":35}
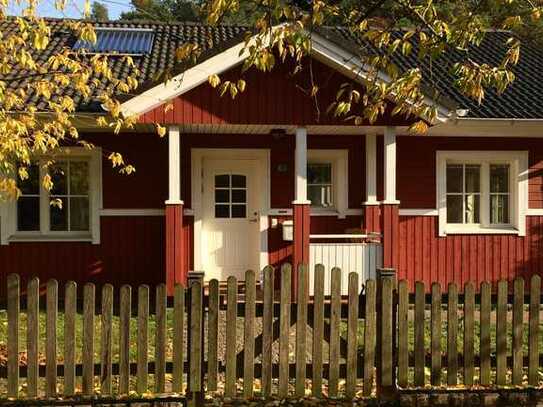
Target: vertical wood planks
{"x":178,"y":333}
{"x":419,"y":334}
{"x":125,"y":312}
{"x":518,"y":311}
{"x":32,"y":337}
{"x":267,"y":331}
{"x":284,"y":329}
{"x":160,"y":338}
{"x":318,"y":329}
{"x":403,"y":333}
{"x":142,"y":341}
{"x":469,"y":324}
{"x":386,"y":339}
{"x":370,"y":319}
{"x":231,"y":316}
{"x":533,"y":338}
{"x":70,"y":310}
{"x":88,"y":338}
{"x":301,"y":331}
{"x":249,"y":334}
{"x":195,"y":351}
{"x":484,"y":350}
{"x":106,"y":345}
{"x":51,"y":339}
{"x":213,"y":335}
{"x":501,"y":334}
{"x":352,"y":337}
{"x":335,"y":320}
{"x":452,"y":335}
{"x":13,"y":287}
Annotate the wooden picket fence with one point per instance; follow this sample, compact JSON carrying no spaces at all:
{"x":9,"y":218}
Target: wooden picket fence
{"x":205,"y":342}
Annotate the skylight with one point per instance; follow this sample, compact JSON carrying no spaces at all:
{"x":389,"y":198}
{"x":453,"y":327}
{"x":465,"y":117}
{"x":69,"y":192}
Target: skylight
{"x":125,"y":41}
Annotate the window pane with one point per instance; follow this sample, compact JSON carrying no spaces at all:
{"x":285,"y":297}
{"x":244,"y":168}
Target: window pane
{"x":454,"y":178}
{"x":28,"y":213}
{"x":79,"y":214}
{"x":59,"y":172}
{"x":239,"y":211}
{"x":499,"y":178}
{"x":31,"y":185}
{"x":222,"y":181}
{"x":222,"y":196}
{"x":239,"y":195}
{"x":222,"y":211}
{"x":472,"y":208}
{"x":59,"y":216}
{"x":454,"y":208}
{"x":320,"y":195}
{"x":319,"y":173}
{"x":79,"y":178}
{"x":499,"y":209}
{"x":472,"y":178}
{"x":239,"y":181}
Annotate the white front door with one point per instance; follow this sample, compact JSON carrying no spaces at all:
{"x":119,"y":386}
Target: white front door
{"x":230,"y":217}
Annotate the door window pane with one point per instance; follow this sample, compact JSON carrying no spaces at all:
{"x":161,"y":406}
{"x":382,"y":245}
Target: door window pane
{"x":239,"y":211}
{"x":222,"y":211}
{"x":222,"y":195}
{"x":230,"y":196}
{"x":239,"y":196}
{"x":222,"y":181}
{"x":239,"y":181}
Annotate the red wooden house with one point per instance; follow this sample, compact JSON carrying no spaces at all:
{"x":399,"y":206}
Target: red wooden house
{"x":264,"y":179}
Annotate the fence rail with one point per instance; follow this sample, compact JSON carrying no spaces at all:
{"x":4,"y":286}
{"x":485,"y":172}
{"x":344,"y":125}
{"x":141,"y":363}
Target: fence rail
{"x":203,"y":342}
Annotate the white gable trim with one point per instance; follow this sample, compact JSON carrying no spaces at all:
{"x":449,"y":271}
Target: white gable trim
{"x":322,"y":49}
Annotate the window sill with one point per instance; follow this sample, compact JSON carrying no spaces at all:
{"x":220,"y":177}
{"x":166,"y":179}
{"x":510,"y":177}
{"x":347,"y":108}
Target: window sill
{"x":38,"y":237}
{"x":480,"y":230}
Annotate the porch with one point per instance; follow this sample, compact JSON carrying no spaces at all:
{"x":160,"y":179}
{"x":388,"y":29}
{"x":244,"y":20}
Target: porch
{"x":242,"y":197}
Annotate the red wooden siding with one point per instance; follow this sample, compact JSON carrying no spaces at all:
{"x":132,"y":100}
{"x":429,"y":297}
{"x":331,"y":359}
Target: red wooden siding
{"x":460,"y":258}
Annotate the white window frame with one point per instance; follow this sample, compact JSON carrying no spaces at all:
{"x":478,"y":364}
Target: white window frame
{"x":518,"y":173}
{"x":339,"y":161}
{"x":8,"y":210}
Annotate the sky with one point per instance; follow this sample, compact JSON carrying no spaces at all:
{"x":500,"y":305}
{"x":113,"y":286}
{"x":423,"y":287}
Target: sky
{"x":74,"y":8}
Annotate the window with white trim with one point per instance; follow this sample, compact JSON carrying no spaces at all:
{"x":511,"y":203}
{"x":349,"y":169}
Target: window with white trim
{"x":70,"y":211}
{"x":327,"y":180}
{"x":482,"y":191}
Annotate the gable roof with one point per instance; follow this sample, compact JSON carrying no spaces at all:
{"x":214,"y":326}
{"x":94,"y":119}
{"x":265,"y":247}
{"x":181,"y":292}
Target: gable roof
{"x":520,"y":101}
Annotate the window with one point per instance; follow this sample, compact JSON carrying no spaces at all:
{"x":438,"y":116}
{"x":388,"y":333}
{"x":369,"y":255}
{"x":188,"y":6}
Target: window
{"x":230,"y":196}
{"x":70,"y":211}
{"x":327,"y":181}
{"x":482,"y":192}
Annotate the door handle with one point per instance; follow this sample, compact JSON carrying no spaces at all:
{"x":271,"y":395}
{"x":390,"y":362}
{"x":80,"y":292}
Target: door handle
{"x":255,"y":219}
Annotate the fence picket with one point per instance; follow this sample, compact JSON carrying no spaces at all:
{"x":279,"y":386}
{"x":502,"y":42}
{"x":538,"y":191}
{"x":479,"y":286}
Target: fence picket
{"x":213,"y":335}
{"x":370,"y":319}
{"x":249,"y":334}
{"x":106,"y":346}
{"x":143,"y":337}
{"x":501,"y":334}
{"x":469,"y":309}
{"x":13,"y":304}
{"x":32,"y":338}
{"x":335,"y":320}
{"x":452,"y":335}
{"x":70,"y":310}
{"x":195,"y":349}
{"x":518,"y":313}
{"x":484,"y":350}
{"x":318,"y":330}
{"x":51,"y":339}
{"x":284,"y":329}
{"x":178,"y":338}
{"x":231,"y":316}
{"x":352,"y":336}
{"x":386,"y":339}
{"x":533,"y":338}
{"x":160,"y":338}
{"x":436,"y":335}
{"x":88,"y":338}
{"x":403,"y":331}
{"x":125,"y":311}
{"x":301,"y":331}
{"x":419,"y":334}
{"x":267,"y":332}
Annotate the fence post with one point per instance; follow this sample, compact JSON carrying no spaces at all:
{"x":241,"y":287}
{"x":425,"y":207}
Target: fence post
{"x":195,"y":326}
{"x":386,"y":333}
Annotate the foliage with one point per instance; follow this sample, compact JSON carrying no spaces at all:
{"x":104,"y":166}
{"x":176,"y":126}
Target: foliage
{"x":99,"y":11}
{"x":163,"y":10}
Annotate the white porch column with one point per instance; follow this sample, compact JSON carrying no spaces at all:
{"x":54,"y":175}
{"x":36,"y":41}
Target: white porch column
{"x":174,"y":166}
{"x":371,"y":169}
{"x":301,"y":167}
{"x":390,"y":165}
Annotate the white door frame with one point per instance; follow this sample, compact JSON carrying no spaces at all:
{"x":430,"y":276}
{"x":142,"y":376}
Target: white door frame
{"x":197,"y":157}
